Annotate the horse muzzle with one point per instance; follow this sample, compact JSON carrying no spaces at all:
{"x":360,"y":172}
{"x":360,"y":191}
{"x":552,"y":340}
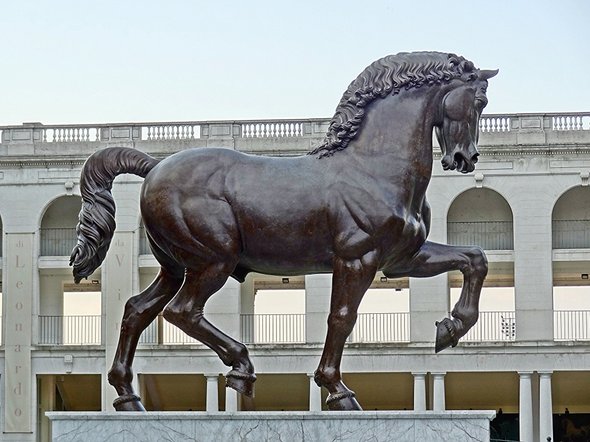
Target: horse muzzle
{"x":460,"y":160}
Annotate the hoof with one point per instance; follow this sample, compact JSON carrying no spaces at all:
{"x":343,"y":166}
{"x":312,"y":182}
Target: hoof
{"x":343,"y":401}
{"x":445,"y":335}
{"x":241,"y":382}
{"x":128,"y":402}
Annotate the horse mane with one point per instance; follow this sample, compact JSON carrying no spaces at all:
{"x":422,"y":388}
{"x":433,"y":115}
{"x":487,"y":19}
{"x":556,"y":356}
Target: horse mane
{"x":385,"y":76}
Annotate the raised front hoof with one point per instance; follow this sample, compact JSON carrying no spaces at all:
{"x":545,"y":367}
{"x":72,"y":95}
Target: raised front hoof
{"x":343,"y":401}
{"x":241,"y":382}
{"x":445,"y":335}
{"x":128,"y":402}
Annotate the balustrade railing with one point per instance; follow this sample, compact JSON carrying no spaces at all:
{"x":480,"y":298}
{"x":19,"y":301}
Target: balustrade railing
{"x":570,"y":121}
{"x":272,"y":129}
{"x":188,"y":130}
{"x":571,"y":325}
{"x":571,"y":234}
{"x":69,"y":330}
{"x":170,"y":131}
{"x":565,"y":121}
{"x":494,"y":123}
{"x":381,"y":327}
{"x":272,"y":328}
{"x":490,"y":235}
{"x":73,"y":134}
{"x":493,"y":327}
{"x":58,"y":241}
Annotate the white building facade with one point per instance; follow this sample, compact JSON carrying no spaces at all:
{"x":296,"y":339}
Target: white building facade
{"x":527,"y":204}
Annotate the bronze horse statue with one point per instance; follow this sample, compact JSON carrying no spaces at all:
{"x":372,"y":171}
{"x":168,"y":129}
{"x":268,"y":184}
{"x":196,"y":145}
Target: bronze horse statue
{"x":353,"y":206}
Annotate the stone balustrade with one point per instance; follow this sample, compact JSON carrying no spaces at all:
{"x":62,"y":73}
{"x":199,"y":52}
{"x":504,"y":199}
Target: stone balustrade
{"x":278,"y":137}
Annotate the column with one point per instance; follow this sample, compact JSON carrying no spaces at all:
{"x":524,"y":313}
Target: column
{"x":117,"y":288}
{"x":318,"y":289}
{"x":533,"y":256}
{"x":545,"y":406}
{"x":18,"y":298}
{"x":231,"y":400}
{"x":429,"y":302}
{"x":315,"y":394}
{"x":438,"y":380}
{"x":223,"y":309}
{"x":212,"y":402}
{"x":525,"y":407}
{"x":46,"y":402}
{"x":419,"y":391}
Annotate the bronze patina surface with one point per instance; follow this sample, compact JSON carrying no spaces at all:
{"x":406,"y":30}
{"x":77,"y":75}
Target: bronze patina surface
{"x":353,"y":206}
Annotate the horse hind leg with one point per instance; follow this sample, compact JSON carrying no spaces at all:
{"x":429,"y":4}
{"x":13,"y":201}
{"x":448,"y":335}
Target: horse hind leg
{"x":186,"y":312}
{"x":140,"y":311}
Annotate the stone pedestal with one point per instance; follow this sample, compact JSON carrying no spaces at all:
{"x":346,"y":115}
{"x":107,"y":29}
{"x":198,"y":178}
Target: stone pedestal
{"x":374,"y":426}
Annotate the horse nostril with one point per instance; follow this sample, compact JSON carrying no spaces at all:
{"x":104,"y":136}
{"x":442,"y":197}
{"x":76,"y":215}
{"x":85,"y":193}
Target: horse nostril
{"x":475,"y":158}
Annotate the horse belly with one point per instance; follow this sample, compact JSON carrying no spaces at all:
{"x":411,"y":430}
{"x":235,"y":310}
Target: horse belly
{"x":286,"y":253}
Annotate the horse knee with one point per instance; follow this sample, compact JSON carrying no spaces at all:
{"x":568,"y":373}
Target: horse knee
{"x":342,"y":320}
{"x":477,"y":262}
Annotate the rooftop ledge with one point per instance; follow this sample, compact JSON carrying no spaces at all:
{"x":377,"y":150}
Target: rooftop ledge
{"x":292,"y":135}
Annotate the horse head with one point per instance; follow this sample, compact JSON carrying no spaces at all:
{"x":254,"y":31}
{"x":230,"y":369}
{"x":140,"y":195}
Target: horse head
{"x":458,"y":126}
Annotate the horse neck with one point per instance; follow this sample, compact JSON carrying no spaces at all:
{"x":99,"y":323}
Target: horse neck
{"x":396,"y":133}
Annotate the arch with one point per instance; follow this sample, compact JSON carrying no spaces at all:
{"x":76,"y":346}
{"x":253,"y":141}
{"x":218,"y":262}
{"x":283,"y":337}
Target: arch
{"x":480,"y":216}
{"x":570,"y":219}
{"x":58,"y":225}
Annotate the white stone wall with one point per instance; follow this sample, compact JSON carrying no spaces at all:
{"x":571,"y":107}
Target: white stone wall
{"x":530,"y":169}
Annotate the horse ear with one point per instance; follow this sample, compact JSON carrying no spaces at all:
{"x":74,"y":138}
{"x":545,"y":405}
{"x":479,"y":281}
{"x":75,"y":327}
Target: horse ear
{"x":487,"y":74}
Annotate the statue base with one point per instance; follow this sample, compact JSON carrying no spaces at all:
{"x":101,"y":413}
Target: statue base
{"x":353,"y":426}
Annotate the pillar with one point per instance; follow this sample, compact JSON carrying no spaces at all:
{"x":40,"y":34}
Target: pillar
{"x":429,"y":302}
{"x":212,"y":401}
{"x":315,"y":394}
{"x":231,"y":400}
{"x":438,"y":403}
{"x":545,"y":406}
{"x":533,"y":256}
{"x":318,"y":289}
{"x":525,"y":407}
{"x":419,"y":391}
{"x":18,"y":291}
{"x":46,"y":403}
{"x":223,"y":309}
{"x":117,"y":288}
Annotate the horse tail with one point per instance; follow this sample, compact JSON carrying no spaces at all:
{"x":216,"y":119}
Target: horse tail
{"x":96,"y":224}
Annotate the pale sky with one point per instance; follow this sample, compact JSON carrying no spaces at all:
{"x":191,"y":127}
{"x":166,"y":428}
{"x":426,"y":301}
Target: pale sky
{"x":133,"y":61}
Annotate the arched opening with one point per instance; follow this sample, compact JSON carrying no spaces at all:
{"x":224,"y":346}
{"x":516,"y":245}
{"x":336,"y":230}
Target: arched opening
{"x":69,"y":314}
{"x":571,"y":220}
{"x":480,"y":217}
{"x":571,"y":265}
{"x":484,"y":218}
{"x":58,"y":226}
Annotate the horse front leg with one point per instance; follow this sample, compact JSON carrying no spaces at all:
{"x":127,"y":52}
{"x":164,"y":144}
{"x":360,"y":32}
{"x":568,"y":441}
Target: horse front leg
{"x":351,"y":279}
{"x":433,"y":259}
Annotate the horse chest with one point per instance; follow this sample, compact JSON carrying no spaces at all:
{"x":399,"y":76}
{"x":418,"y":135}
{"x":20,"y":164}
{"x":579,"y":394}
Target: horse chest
{"x":402,"y":234}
